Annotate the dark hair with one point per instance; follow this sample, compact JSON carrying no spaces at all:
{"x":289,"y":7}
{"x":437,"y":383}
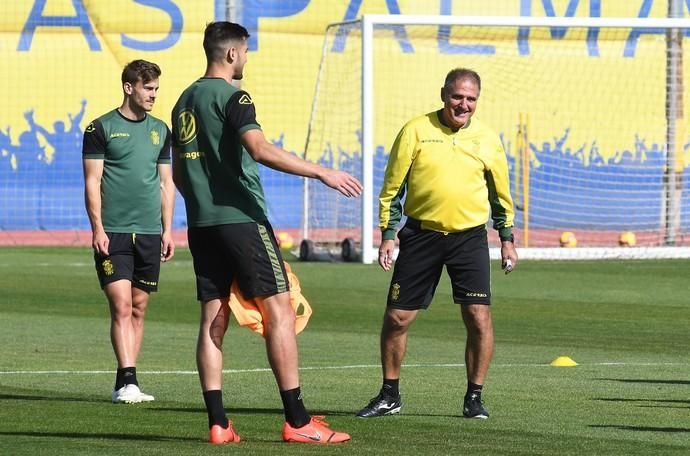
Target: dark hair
{"x":462,"y":73}
{"x":140,"y":69}
{"x":217,"y":35}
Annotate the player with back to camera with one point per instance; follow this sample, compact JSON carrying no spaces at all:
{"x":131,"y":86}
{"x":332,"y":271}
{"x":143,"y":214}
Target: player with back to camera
{"x":454,"y":171}
{"x":130,"y":196}
{"x":217,"y":143}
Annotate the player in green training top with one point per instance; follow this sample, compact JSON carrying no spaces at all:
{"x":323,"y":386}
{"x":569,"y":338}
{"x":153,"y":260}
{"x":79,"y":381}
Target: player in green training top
{"x":217,"y":143}
{"x":129,"y":200}
{"x":452,"y":171}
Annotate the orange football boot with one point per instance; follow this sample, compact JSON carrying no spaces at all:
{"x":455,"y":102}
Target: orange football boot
{"x":219,"y":434}
{"x":316,"y":431}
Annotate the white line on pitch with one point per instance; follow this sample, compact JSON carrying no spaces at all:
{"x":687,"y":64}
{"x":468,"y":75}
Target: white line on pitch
{"x":356,"y":366}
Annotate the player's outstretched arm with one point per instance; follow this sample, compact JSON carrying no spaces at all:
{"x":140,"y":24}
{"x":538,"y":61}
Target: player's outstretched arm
{"x":339,"y":180}
{"x":274,"y":157}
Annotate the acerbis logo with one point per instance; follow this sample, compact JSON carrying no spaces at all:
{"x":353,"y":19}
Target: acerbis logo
{"x":187,"y":128}
{"x":244,"y":99}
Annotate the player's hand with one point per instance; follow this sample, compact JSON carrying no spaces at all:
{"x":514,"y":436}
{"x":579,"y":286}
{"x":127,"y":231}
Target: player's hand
{"x":100,"y":243}
{"x":167,"y":246}
{"x":509,"y":257}
{"x":386,"y":250}
{"x":342,"y":181}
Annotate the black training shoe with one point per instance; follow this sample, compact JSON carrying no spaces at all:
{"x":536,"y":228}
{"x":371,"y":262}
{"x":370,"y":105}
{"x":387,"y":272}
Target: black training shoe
{"x":381,"y":405}
{"x":474,"y":407}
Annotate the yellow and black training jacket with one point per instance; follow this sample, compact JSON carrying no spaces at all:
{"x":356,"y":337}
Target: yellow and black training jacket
{"x":450,"y":181}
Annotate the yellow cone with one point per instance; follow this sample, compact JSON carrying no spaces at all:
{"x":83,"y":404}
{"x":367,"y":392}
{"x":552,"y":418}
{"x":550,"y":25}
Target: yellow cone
{"x":563,"y":361}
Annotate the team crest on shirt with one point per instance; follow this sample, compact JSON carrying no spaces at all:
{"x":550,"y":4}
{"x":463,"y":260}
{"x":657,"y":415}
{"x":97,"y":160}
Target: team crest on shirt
{"x":244,"y":99}
{"x":155,"y":138}
{"x":186,"y":128}
{"x":395,"y":292}
{"x":108,"y":267}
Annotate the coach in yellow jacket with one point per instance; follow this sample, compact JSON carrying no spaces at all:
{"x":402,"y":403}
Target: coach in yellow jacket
{"x":452,"y":171}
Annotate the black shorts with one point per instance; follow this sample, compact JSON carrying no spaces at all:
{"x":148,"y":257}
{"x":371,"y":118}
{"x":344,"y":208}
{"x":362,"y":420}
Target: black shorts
{"x":423,"y":254}
{"x":134,"y":257}
{"x":247,"y":252}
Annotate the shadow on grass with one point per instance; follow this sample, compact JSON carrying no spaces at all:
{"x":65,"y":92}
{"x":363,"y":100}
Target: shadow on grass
{"x":27,"y":397}
{"x":250,"y":411}
{"x":228,"y":410}
{"x":652,"y":381}
{"x":641,"y":428}
{"x":110,"y":436}
{"x":652,"y":401}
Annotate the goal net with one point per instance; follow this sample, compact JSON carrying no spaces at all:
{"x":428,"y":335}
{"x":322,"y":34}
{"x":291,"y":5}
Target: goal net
{"x":590,"y":112}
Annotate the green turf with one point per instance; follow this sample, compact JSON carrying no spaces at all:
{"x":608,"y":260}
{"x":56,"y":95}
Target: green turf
{"x":625,"y":323}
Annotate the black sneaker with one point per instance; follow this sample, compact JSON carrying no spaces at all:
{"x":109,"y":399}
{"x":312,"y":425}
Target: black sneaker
{"x":381,"y":405}
{"x":474,"y":407}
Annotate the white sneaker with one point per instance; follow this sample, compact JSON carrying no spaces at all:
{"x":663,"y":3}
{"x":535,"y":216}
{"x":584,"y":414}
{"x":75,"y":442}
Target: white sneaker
{"x":130,"y":394}
{"x":126,"y":395}
{"x":143,"y":397}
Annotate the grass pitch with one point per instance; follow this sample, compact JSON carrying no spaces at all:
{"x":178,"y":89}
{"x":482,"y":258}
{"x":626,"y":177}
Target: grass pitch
{"x":625,"y":323}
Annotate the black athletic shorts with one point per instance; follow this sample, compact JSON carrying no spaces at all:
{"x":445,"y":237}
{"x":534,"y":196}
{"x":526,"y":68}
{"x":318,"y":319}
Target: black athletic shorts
{"x":134,"y":257}
{"x":420,"y":261}
{"x":247,"y":252}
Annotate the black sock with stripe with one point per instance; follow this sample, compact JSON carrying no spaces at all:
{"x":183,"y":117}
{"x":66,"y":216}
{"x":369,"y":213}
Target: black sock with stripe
{"x":391,"y":387}
{"x":295,"y":412}
{"x":125,"y":376}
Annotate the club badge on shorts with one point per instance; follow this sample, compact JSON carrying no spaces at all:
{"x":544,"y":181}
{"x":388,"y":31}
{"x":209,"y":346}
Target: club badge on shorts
{"x":108,"y":268}
{"x":395,"y":292}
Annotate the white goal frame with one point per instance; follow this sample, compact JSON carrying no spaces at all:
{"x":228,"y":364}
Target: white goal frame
{"x":368,"y":22}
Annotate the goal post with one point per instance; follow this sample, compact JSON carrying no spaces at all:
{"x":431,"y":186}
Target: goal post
{"x":597,"y":165}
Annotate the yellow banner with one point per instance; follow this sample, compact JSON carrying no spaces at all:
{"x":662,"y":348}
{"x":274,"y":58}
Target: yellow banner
{"x":62,"y":61}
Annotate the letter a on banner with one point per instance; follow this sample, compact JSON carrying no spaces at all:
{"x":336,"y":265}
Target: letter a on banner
{"x":37,"y":19}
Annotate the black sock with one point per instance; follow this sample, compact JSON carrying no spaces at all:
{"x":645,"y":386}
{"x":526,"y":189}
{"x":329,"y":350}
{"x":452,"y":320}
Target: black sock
{"x":473,"y":388}
{"x":295,"y":413}
{"x":214,"y":407}
{"x":391,"y":387}
{"x":125,"y":376}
